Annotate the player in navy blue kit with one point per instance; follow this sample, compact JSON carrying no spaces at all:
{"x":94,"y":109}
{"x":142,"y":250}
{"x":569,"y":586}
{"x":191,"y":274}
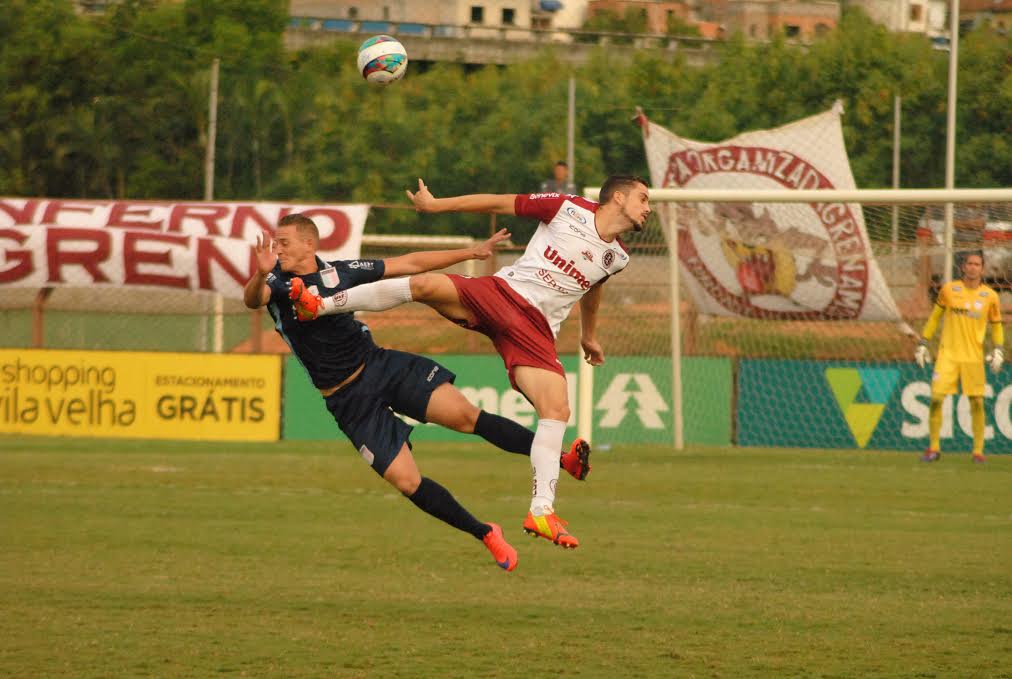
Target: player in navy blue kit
{"x":363,"y":384}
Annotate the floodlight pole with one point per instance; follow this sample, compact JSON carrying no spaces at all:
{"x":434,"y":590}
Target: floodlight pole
{"x":950,"y":133}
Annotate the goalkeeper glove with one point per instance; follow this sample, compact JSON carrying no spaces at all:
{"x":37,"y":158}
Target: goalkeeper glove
{"x":921,"y":354}
{"x":996,"y":358}
{"x":306,"y":303}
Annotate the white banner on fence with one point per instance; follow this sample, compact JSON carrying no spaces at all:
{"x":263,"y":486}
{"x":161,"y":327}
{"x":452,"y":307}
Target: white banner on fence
{"x":772,"y":261}
{"x":204,"y":246}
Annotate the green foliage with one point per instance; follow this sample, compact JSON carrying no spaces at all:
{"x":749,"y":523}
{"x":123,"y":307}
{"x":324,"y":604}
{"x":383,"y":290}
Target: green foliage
{"x":117,"y":106}
{"x":678,"y":26}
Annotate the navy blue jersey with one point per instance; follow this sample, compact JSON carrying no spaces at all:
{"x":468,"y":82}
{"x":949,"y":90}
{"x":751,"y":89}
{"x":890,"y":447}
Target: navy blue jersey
{"x":332,"y":347}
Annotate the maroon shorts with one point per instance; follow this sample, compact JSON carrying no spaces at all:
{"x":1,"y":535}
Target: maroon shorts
{"x":519,"y":332}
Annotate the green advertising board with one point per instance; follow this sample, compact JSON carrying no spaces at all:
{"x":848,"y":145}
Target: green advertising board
{"x":631,"y":400}
{"x":819,"y":404}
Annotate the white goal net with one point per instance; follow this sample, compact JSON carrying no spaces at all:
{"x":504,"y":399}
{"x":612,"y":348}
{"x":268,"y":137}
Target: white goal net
{"x":789,"y":326}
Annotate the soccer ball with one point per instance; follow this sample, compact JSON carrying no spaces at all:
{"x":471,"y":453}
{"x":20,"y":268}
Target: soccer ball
{"x":382,"y":60}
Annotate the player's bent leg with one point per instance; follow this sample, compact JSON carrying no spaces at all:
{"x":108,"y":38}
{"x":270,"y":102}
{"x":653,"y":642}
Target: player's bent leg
{"x":547,"y":391}
{"x":437,"y":501}
{"x":449,"y":408}
{"x":437,"y":291}
{"x":403,"y":472}
{"x":378,"y":296}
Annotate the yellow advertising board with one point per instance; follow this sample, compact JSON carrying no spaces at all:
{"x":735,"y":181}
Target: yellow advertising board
{"x":121,"y":394}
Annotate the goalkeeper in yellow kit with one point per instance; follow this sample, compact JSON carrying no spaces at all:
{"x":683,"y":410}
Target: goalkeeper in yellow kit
{"x":965,"y":308}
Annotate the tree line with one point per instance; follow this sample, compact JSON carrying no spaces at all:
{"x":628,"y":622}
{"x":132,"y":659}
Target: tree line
{"x":116,"y":106}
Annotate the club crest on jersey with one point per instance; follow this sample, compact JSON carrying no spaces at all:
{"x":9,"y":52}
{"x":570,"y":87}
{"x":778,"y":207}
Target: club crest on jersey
{"x":608,"y":259}
{"x":588,"y":255}
{"x":571,"y":211}
{"x":329,"y":277}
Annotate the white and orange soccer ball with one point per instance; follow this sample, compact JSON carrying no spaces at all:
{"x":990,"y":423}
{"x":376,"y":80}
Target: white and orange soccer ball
{"x":382,"y":60}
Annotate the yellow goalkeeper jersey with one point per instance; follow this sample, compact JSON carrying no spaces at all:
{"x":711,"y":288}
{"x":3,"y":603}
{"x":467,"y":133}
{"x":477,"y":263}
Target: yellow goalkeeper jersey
{"x":967,"y":313}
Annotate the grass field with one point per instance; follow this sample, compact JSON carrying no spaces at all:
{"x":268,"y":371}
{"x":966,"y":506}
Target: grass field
{"x":125,"y":559}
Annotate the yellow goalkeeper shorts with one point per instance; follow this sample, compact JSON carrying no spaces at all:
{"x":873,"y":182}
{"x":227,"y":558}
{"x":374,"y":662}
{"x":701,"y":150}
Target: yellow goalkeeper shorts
{"x":948,"y":373}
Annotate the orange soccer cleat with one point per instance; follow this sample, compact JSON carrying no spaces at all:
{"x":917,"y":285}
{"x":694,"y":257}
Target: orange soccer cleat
{"x":503,"y":553}
{"x":577,"y":460}
{"x":306,"y":304}
{"x":550,"y":527}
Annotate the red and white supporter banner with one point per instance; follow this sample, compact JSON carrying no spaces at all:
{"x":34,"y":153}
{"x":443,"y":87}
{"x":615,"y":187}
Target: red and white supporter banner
{"x":775,"y":261}
{"x":204,"y":246}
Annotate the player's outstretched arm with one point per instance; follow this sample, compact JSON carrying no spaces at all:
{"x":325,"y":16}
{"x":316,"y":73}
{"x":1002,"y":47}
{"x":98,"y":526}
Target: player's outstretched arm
{"x":498,"y":203}
{"x":420,"y":262}
{"x":256,"y":293}
{"x":593,"y":353}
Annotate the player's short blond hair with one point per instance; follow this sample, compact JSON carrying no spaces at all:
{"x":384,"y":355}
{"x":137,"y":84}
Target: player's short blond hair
{"x":304,"y":226}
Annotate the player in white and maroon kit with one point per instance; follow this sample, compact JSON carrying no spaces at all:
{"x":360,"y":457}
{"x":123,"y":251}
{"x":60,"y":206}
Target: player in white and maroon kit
{"x":575,"y":249}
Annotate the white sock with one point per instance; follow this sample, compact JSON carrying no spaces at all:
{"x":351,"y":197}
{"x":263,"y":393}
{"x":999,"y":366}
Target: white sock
{"x":378,"y":296}
{"x":545,"y":461}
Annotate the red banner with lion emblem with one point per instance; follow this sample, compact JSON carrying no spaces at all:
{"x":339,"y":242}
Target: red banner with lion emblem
{"x":775,"y":261}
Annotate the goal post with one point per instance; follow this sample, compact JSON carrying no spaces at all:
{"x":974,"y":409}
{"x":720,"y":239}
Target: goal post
{"x":781,"y":275}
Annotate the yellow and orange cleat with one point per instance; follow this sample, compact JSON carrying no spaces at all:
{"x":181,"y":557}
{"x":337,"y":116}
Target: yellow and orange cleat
{"x":503,"y":553}
{"x":577,"y":460}
{"x":550,"y":527}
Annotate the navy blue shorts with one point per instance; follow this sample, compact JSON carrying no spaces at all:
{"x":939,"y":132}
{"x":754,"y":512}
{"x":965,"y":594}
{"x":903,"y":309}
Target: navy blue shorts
{"x":392,"y":381}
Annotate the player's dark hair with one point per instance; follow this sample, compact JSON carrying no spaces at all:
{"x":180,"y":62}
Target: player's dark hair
{"x":561,"y":163}
{"x":618,"y":182}
{"x":962,"y":256}
{"x":304,"y":226}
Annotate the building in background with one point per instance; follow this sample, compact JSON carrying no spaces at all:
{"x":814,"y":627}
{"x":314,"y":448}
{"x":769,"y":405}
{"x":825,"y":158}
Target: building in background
{"x":764,"y":19}
{"x":908,"y":16}
{"x":558,"y":14}
{"x":656,"y":14}
{"x":997,"y":13}
{"x":438,"y":12}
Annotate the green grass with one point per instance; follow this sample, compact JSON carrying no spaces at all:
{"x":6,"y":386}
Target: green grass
{"x":125,"y":559}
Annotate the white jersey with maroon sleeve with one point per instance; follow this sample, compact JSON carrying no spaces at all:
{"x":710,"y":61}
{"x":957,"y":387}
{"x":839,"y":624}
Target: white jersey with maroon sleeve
{"x":565,"y":257}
